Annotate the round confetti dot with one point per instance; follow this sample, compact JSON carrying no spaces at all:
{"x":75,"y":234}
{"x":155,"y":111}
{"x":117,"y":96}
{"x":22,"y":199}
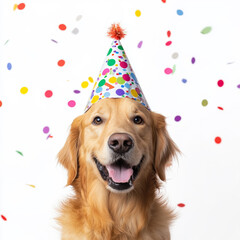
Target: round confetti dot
{"x":181,"y":205}
{"x":79,"y":17}
{"x":133,"y":76}
{"x":111,"y":62}
{"x":61,"y":63}
{"x":220,"y":83}
{"x":21,"y":6}
{"x":179,"y":12}
{"x":193,"y":60}
{"x":3,"y":218}
{"x":175,"y":55}
{"x":123,"y":64}
{"x":62,"y":27}
{"x":102,"y":82}
{"x":84,"y":84}
{"x":105,"y":71}
{"x":0,"y":103}
{"x":220,"y":108}
{"x":169,"y":33}
{"x":138,"y":13}
{"x":46,"y":130}
{"x":134,"y":93}
{"x":206,"y":30}
{"x":138,"y":90}
{"x":140,"y":44}
{"x":76,"y":91}
{"x":112,"y":80}
{"x":238,"y":86}
{"x":204,"y":102}
{"x":120,"y":80}
{"x":178,"y":118}
{"x":106,"y":94}
{"x":71,"y":103}
{"x":23,"y":90}
{"x":120,"y":92}
{"x":90,"y":79}
{"x":48,"y":93}
{"x":168,"y":70}
{"x":99,"y":89}
{"x":218,"y":140}
{"x":75,"y":31}
{"x":168,"y":43}
{"x":184,"y":80}
{"x":126,"y":77}
{"x":9,"y":66}
{"x":95,"y":99}
{"x":164,"y":1}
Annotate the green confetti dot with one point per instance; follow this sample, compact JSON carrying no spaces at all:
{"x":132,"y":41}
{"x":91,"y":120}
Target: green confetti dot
{"x":102,"y":82}
{"x":120,"y":47}
{"x":120,"y":80}
{"x":111,"y":62}
{"x":206,"y":30}
{"x":109,"y":51}
{"x":204,"y":102}
{"x":20,"y":153}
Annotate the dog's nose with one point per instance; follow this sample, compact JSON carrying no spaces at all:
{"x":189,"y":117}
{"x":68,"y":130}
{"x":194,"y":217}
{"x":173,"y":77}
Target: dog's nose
{"x":120,"y":142}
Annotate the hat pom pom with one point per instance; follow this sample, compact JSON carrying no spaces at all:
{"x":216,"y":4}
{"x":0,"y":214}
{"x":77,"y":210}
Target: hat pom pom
{"x":116,"y":32}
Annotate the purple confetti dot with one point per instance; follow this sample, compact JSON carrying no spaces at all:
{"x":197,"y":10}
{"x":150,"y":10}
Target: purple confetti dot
{"x":46,"y":130}
{"x":120,"y":92}
{"x":193,"y":60}
{"x":238,"y":85}
{"x":140,"y":44}
{"x":178,"y":118}
{"x":76,"y":91}
{"x":184,"y":80}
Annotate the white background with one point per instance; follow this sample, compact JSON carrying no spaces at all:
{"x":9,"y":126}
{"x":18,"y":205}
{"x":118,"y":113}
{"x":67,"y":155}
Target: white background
{"x":206,"y":177}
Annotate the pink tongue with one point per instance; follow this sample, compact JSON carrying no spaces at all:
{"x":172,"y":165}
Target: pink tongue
{"x":119,"y":174}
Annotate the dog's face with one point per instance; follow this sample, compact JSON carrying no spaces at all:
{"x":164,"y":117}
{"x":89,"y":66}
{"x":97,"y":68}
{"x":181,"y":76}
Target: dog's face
{"x":119,"y":142}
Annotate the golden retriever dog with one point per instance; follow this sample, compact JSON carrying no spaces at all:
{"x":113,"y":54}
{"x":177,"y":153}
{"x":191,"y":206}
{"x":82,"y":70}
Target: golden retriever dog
{"x":115,"y":154}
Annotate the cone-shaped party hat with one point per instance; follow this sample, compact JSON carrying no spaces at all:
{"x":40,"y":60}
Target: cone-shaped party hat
{"x":116,"y":78}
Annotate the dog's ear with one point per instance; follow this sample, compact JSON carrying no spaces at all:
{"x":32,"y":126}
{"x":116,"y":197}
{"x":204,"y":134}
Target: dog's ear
{"x":165,"y":148}
{"x":68,"y":155}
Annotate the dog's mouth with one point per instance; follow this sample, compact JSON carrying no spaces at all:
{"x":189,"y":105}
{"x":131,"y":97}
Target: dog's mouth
{"x":119,"y":175}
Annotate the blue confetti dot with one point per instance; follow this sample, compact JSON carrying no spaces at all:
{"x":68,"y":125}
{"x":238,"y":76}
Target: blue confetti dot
{"x":179,"y":12}
{"x":106,"y":94}
{"x":99,"y":89}
{"x":184,"y":80}
{"x":9,"y":66}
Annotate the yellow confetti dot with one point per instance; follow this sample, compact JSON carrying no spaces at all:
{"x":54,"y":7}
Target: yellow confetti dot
{"x":84,"y":84}
{"x":112,"y":80}
{"x":15,"y":7}
{"x":138,"y":13}
{"x":24,"y":90}
{"x":30,"y":185}
{"x":90,"y":79}
{"x":95,"y":99}
{"x":134,"y":93}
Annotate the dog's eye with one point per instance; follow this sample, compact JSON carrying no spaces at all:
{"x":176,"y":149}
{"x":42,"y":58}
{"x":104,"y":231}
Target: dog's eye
{"x":97,"y":120}
{"x":138,"y":120}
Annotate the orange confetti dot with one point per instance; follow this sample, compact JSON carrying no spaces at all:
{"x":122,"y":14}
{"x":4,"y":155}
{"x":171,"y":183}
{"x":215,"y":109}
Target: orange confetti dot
{"x":218,"y":140}
{"x":61,"y":63}
{"x":21,"y":6}
{"x":0,"y":103}
{"x":62,"y":27}
{"x":15,"y":7}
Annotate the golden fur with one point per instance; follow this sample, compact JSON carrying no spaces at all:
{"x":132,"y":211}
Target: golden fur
{"x":98,"y":213}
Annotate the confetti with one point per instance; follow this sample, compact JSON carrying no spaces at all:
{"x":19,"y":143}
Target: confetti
{"x":140,"y":44}
{"x":84,"y":84}
{"x":62,"y":27}
{"x":184,"y":80}
{"x":204,"y":102}
{"x":178,"y":118}
{"x":175,"y":55}
{"x":9,"y":66}
{"x":179,"y":12}
{"x":79,"y":17}
{"x":138,"y":13}
{"x":23,"y":90}
{"x":49,"y":136}
{"x":46,"y":130}
{"x":220,"y":83}
{"x":220,"y":108}
{"x":4,"y":218}
{"x":168,"y":43}
{"x":75,"y":31}
{"x":90,"y":79}
{"x":48,"y":93}
{"x":6,"y":42}
{"x":193,"y":60}
{"x":19,"y":153}
{"x":30,"y":185}
{"x":168,"y":70}
{"x":174,"y":69}
{"x":181,"y":205}
{"x":164,"y":1}
{"x":76,"y":91}
{"x":238,"y":86}
{"x":206,"y":30}
{"x":15,"y":7}
{"x":169,"y":33}
{"x":21,"y":6}
{"x":54,"y":41}
{"x":61,"y":63}
{"x":218,"y":140}
{"x":71,"y":103}
{"x":0,"y":103}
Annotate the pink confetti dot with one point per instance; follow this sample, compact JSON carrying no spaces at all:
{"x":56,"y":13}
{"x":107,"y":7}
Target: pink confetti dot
{"x":46,"y":130}
{"x":71,"y":103}
{"x":48,"y":93}
{"x":220,"y":83}
{"x":168,"y":70}
{"x":168,"y":43}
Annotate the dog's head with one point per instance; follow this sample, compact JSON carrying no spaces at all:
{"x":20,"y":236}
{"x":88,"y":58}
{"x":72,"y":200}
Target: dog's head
{"x":119,"y":142}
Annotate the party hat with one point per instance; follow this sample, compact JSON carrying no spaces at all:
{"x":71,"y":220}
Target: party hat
{"x":116,"y":78}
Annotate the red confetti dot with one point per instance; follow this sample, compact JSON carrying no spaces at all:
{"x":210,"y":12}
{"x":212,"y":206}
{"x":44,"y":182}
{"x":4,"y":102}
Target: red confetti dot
{"x":164,"y":1}
{"x":218,"y":140}
{"x":62,"y":27}
{"x":48,"y":93}
{"x":21,"y":6}
{"x":220,"y":83}
{"x":169,"y":33}
{"x":181,"y":205}
{"x":4,"y":218}
{"x":220,"y":108}
{"x":0,"y":103}
{"x":168,"y":43}
{"x":61,"y":63}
